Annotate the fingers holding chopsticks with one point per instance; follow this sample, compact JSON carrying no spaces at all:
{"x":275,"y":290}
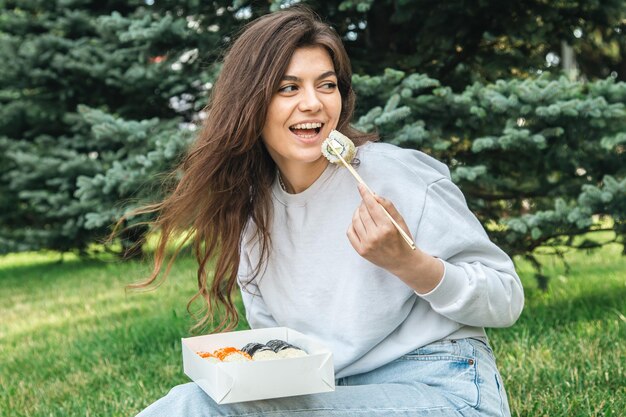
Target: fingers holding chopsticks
{"x":373,"y":233}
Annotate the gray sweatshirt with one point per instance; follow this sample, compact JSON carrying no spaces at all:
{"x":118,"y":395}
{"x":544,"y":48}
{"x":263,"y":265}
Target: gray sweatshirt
{"x":316,"y":283}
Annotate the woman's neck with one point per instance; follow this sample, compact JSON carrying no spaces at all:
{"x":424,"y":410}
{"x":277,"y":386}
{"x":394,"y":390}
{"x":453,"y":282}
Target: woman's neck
{"x":298,"y":177}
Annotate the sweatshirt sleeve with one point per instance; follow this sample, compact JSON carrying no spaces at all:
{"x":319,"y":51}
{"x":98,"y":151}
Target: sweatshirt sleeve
{"x":257,"y":313}
{"x":480,"y":286}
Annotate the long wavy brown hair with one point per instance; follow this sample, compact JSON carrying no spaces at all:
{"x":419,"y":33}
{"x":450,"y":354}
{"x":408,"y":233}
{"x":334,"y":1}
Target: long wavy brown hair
{"x":227,"y":173}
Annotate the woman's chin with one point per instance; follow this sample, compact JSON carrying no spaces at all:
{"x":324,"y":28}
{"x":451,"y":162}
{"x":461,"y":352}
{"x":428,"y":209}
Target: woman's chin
{"x":306,"y":159}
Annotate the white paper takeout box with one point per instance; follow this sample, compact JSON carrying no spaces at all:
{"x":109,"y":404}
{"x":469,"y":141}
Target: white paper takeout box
{"x":230,"y":382}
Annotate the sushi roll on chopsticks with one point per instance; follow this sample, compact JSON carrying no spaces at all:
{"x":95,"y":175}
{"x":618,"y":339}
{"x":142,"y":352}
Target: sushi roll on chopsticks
{"x":285,"y":350}
{"x":338,"y":146}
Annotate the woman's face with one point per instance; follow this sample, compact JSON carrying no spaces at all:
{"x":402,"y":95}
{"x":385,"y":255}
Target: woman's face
{"x":304,"y":110}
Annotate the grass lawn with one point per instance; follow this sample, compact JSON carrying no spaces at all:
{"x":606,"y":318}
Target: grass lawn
{"x":73,"y":343}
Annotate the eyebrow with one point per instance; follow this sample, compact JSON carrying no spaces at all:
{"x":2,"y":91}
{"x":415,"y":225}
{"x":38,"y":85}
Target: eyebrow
{"x":322,"y":76}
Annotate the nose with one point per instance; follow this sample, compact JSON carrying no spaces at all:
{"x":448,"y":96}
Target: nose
{"x":310,"y":102}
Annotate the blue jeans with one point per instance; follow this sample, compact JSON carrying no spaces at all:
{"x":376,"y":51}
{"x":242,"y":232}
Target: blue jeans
{"x":445,"y":378}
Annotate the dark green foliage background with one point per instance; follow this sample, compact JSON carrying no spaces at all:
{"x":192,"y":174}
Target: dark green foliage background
{"x":99,"y":99}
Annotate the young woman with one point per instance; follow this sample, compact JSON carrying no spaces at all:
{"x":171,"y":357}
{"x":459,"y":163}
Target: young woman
{"x":312,"y":251}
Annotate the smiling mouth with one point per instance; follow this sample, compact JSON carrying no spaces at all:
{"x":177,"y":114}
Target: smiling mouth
{"x":306,"y":130}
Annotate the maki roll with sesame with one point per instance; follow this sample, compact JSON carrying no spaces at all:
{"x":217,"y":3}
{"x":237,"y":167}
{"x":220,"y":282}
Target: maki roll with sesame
{"x":259,"y":352}
{"x":231,"y":354}
{"x":285,"y":350}
{"x":338,"y":143}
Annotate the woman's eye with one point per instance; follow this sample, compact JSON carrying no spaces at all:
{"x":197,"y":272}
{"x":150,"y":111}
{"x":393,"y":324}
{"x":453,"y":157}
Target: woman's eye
{"x":287,"y":89}
{"x":329,"y":86}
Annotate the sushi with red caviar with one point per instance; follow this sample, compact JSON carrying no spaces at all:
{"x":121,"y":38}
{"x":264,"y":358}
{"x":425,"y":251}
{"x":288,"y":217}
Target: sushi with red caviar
{"x":231,"y":354}
{"x":209,"y":357}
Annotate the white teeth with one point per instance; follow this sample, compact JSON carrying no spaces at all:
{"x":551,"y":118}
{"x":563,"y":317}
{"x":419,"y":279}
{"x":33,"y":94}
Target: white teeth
{"x":307,"y":126}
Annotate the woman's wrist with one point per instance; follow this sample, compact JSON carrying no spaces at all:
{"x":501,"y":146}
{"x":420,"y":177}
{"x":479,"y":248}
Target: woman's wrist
{"x":421,"y":271}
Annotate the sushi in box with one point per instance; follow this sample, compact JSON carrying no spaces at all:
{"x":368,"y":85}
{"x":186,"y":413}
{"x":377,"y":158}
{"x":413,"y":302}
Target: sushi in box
{"x":239,"y":379}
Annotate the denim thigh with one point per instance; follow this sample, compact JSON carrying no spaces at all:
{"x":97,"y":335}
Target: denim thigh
{"x":446,"y":378}
{"x":463,"y":370}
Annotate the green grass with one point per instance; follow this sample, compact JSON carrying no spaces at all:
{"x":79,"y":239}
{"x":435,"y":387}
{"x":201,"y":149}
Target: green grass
{"x":566,"y":354}
{"x":74,"y":343}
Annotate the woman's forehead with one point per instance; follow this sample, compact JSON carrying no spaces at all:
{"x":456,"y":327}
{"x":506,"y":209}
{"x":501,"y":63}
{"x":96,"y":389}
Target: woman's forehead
{"x":310,"y":60}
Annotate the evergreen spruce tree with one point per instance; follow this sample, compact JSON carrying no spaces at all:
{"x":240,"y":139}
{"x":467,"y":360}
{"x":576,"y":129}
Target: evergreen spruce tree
{"x":460,"y":42}
{"x":540,"y":160}
{"x":98,"y":101}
